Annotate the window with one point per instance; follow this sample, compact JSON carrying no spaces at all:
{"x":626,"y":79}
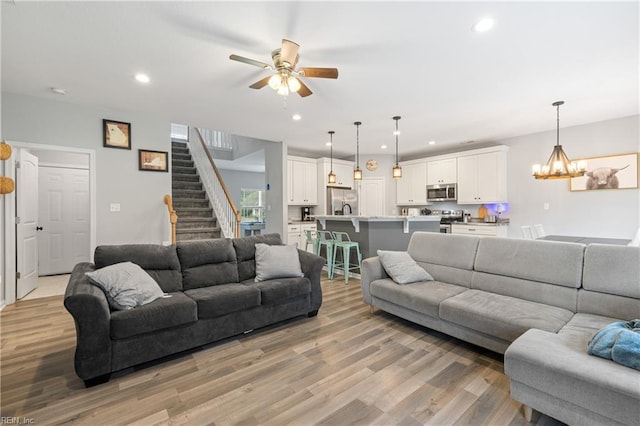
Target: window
{"x":179,"y":132}
{"x":252,"y":205}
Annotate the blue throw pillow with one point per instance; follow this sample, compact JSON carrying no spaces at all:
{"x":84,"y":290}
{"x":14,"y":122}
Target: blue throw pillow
{"x":619,"y":342}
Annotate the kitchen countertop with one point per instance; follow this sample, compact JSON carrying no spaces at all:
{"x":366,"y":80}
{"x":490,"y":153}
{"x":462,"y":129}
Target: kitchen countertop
{"x":355,"y":220}
{"x":501,"y":222}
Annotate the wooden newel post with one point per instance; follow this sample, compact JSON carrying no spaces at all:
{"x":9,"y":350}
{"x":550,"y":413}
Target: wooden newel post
{"x":173,"y":217}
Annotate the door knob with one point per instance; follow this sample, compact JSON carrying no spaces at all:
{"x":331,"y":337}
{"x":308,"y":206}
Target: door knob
{"x":38,"y":228}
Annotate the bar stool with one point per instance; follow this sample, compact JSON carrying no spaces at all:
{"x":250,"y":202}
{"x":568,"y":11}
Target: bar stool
{"x":326,"y":239}
{"x":312,"y":239}
{"x":342,"y":240}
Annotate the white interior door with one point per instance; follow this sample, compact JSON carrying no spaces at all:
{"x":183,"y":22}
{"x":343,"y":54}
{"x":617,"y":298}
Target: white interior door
{"x":26,"y":223}
{"x":372,"y":197}
{"x":64,"y":219}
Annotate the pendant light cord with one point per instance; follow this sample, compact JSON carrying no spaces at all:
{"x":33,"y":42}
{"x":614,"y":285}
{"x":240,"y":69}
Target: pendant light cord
{"x":357,"y":123}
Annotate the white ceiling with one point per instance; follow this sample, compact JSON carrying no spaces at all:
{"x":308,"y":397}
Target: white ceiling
{"x":420,"y":60}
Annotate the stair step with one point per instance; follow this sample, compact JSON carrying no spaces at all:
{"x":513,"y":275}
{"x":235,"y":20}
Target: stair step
{"x":185,"y":178}
{"x":180,"y":156}
{"x":202,"y":235}
{"x":176,"y":144}
{"x":189,"y":194}
{"x":196,"y":223}
{"x":193,"y":212}
{"x":181,"y":163}
{"x":182,"y":204}
{"x":189,"y":185}
{"x":180,"y":151}
{"x":184,"y":170}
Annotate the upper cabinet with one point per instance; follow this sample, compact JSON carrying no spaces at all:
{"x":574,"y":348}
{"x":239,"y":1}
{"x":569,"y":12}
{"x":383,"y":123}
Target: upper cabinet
{"x":411,"y":189}
{"x":343,"y":170}
{"x":482,"y":178}
{"x":303,"y":181}
{"x":442,"y":171}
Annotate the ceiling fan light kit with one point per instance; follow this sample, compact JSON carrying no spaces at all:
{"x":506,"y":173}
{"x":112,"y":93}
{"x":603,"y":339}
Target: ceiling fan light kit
{"x":287,"y":77}
{"x":397,"y":170}
{"x":558,"y":165}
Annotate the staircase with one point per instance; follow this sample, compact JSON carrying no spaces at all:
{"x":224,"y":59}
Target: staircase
{"x":196,"y":220}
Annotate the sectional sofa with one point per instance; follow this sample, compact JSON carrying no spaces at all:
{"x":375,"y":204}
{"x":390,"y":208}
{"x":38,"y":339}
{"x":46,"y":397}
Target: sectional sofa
{"x":212,"y":296}
{"x":539,"y":303}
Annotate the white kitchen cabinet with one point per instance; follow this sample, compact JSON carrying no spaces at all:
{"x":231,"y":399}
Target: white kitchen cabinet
{"x":296,"y":234}
{"x":442,"y":171}
{"x":303,"y":181}
{"x":482,"y":230}
{"x":343,"y":170}
{"x":482,"y":178}
{"x":411,"y":188}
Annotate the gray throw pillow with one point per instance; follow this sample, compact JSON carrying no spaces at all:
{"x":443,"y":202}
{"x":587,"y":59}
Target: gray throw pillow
{"x":126,"y":285}
{"x":277,"y":262}
{"x":402,"y":268}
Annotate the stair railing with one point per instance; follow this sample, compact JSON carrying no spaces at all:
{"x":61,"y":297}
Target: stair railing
{"x":173,"y":217}
{"x":227,"y":214}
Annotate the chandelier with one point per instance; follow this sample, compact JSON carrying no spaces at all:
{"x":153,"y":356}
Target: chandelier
{"x":558,"y":165}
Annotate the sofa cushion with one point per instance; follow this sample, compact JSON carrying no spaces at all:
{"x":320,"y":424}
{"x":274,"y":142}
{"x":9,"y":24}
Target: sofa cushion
{"x":423,"y":297}
{"x":501,"y":316}
{"x":224,"y":299}
{"x":280,"y":290}
{"x":207,"y":262}
{"x":277,"y":262}
{"x":126,"y":285}
{"x":246,"y":253}
{"x":402,"y":268}
{"x":605,"y":392}
{"x":612,"y":270}
{"x":162,"y":313}
{"x":524,"y":259}
{"x":160,"y":262}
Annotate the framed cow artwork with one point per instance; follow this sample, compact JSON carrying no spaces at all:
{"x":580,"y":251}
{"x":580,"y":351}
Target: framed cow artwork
{"x":609,"y":172}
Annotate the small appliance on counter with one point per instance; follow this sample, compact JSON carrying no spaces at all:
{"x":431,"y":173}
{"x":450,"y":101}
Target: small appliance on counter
{"x":306,"y":213}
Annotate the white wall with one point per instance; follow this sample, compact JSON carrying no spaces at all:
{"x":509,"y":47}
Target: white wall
{"x":605,"y":213}
{"x":235,"y":180}
{"x":143,"y":216}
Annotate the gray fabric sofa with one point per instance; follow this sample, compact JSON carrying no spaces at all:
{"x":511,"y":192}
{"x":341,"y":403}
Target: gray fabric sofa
{"x":213,"y":296}
{"x":539,"y":303}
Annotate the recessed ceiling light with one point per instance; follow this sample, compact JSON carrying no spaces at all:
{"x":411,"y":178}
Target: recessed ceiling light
{"x":142,"y":78}
{"x":296,"y":117}
{"x":383,"y":146}
{"x":58,"y":91}
{"x":485,"y":24}
{"x":432,"y":142}
{"x":328,"y":144}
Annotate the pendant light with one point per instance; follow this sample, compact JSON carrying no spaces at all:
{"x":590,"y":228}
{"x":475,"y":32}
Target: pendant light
{"x":357,"y":172}
{"x":397,"y":170}
{"x":558,"y":165}
{"x":332,"y":176}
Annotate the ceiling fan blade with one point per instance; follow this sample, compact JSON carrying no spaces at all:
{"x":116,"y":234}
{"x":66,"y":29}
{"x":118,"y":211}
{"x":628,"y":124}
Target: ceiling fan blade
{"x":289,"y":52}
{"x":260,"y":83}
{"x":304,"y":91}
{"x":319,"y":72}
{"x":250,"y":61}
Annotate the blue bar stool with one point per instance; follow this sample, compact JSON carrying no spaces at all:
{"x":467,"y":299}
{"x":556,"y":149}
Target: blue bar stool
{"x":325,"y":239}
{"x":342,"y":241}
{"x":312,"y":239}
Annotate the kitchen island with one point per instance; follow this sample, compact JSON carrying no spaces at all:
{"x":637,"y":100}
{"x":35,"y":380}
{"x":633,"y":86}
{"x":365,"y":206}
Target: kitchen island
{"x":379,"y":232}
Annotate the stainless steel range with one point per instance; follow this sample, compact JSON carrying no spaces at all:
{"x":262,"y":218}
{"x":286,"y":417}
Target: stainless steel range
{"x":447,"y":217}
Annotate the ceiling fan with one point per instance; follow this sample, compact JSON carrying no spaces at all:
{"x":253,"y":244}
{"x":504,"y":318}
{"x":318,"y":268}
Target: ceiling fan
{"x":287,"y":77}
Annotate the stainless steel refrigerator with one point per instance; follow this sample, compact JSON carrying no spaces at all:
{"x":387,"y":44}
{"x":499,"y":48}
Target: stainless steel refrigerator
{"x":342,"y":201}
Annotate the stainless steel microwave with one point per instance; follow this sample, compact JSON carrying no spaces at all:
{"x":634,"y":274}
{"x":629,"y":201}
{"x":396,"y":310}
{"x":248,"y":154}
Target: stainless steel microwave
{"x":444,"y":192}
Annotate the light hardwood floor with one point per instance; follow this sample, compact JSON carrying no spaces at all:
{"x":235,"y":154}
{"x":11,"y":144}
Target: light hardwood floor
{"x":344,"y":366}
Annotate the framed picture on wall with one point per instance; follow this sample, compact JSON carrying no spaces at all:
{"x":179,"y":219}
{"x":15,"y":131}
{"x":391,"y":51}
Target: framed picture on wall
{"x":609,"y":172}
{"x":116,"y":134}
{"x":153,"y":161}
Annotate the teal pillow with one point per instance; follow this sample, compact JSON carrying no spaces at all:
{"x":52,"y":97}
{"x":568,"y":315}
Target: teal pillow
{"x":402,"y":268}
{"x":277,"y":262}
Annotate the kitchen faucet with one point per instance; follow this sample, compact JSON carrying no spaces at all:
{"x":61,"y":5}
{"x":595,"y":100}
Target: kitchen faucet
{"x":344,"y":206}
